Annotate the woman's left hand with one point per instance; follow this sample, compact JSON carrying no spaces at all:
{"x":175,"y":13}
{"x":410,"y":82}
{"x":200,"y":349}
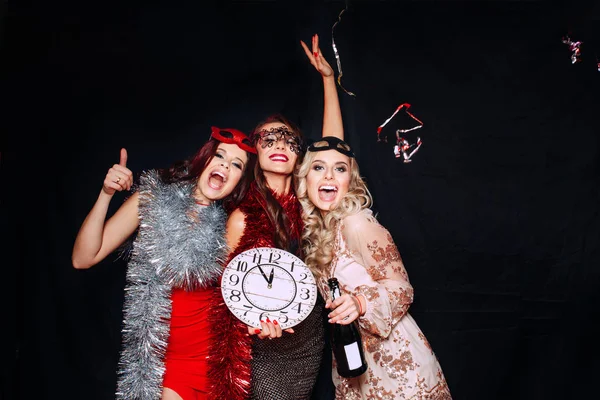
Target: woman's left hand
{"x":345,"y":309}
{"x":316,"y":57}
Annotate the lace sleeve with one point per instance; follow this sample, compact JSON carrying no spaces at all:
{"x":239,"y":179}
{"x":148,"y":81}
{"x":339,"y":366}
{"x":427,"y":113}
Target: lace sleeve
{"x":389,"y":294}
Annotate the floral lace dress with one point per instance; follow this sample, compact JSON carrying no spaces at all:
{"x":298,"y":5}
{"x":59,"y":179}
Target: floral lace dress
{"x":402,"y":364}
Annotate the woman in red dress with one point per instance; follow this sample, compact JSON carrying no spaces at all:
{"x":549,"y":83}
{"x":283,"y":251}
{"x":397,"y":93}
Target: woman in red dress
{"x":175,"y":261}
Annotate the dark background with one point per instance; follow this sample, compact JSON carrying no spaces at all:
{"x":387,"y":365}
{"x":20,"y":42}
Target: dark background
{"x":496,"y":218}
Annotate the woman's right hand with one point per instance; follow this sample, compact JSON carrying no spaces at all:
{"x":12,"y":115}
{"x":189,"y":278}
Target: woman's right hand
{"x":269,"y":329}
{"x":119,"y":177}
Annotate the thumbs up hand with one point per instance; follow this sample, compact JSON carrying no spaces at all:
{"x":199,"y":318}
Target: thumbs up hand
{"x":119,"y":177}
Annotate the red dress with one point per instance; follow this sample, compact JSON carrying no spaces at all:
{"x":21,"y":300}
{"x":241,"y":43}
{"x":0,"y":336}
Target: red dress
{"x":187,"y":351}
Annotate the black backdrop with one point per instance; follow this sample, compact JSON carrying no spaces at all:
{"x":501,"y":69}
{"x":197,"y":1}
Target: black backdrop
{"x":496,"y":218}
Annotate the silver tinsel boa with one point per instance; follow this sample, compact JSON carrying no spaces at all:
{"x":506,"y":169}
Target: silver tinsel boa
{"x":178,"y":245}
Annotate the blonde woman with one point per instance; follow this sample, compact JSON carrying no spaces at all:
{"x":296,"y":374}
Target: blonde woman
{"x":342,"y":239}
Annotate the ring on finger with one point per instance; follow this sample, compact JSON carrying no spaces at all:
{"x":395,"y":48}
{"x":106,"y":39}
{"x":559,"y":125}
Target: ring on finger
{"x":118,"y":179}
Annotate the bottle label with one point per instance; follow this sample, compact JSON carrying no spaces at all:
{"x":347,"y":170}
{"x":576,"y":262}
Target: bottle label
{"x":336,"y":293}
{"x":353,"y":355}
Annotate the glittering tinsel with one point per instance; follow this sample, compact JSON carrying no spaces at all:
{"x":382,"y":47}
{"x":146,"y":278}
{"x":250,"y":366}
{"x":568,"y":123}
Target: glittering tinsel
{"x":179,"y":245}
{"x":230,"y":354}
{"x":230,"y":358}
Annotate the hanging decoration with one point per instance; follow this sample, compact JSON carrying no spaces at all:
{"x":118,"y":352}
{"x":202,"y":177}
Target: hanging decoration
{"x":403,"y":147}
{"x":337,"y":55}
{"x":574,"y":48}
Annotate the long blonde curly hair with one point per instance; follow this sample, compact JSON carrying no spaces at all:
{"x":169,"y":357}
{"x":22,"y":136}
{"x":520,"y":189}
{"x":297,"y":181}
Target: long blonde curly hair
{"x":319,"y":232}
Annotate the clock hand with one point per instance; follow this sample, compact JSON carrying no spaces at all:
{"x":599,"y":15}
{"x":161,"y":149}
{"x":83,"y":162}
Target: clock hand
{"x":271,"y":277}
{"x":264,"y":275}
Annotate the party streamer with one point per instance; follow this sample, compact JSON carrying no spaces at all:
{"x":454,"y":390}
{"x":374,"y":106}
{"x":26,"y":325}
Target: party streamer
{"x":574,"y":48}
{"x":337,"y":55}
{"x":403,"y":147}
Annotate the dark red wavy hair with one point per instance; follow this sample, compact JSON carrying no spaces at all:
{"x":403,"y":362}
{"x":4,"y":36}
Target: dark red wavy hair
{"x":190,"y":169}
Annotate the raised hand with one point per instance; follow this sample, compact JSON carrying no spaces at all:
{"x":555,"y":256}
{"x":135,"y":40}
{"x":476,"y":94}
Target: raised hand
{"x":316,"y":57}
{"x":119,"y":177}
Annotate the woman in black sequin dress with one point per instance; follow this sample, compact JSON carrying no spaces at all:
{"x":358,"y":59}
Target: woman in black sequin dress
{"x":286,"y":367}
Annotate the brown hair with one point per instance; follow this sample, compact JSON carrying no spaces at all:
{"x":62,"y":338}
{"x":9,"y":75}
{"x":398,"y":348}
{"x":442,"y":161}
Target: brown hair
{"x":274,"y":210}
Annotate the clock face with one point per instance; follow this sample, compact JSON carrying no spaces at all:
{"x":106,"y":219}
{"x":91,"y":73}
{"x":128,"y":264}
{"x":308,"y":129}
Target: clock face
{"x":269,"y":283}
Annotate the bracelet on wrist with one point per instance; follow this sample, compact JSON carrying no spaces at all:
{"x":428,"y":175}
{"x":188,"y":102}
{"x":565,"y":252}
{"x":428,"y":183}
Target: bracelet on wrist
{"x":360,"y":310}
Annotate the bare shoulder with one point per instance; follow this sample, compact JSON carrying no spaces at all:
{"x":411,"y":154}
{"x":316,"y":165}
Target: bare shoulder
{"x":236,"y":223}
{"x":236,"y":220}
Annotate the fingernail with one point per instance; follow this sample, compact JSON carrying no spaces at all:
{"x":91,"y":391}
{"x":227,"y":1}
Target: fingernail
{"x":257,"y":330}
{"x":274,"y":322}
{"x":268,"y":320}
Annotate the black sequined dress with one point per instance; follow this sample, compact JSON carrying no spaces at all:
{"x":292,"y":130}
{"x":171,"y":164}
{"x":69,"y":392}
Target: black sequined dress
{"x":287,"y":367}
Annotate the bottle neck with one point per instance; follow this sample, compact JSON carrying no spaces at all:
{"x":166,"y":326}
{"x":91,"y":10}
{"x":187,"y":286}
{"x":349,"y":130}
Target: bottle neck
{"x":334,"y":290}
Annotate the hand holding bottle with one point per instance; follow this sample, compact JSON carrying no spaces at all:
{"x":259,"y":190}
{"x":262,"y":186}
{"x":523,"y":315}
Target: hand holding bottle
{"x":346,"y":309}
{"x":346,"y":342}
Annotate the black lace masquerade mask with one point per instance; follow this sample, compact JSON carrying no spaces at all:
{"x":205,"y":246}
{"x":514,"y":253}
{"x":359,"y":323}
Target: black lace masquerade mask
{"x":268,"y":137}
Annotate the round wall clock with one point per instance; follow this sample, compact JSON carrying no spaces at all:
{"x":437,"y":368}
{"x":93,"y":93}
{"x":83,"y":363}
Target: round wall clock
{"x":267,"y":282}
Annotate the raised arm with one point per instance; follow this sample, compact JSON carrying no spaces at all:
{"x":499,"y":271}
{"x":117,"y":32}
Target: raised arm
{"x":97,"y":237}
{"x":332,"y":115}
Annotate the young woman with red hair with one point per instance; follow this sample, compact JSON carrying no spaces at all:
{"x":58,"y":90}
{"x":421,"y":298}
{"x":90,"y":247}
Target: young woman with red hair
{"x":176,"y":218}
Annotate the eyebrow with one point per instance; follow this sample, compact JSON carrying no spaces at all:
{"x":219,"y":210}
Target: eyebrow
{"x":235,"y":158}
{"x":336,"y":163}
